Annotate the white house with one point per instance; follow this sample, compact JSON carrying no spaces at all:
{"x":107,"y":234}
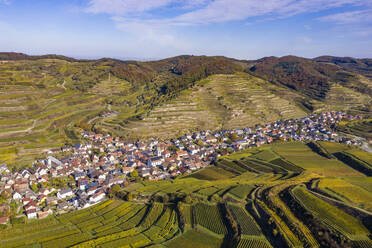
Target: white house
{"x":65,"y":193}
{"x":4,"y":169}
{"x":97,"y":197}
{"x":31,"y":214}
{"x":155,"y":161}
{"x":44,"y":191}
{"x":52,"y":161}
{"x":40,"y":171}
{"x":17,"y":196}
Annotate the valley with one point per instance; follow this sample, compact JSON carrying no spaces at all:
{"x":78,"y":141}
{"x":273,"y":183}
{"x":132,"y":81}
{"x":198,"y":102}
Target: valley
{"x":48,"y":100}
{"x":189,"y":151}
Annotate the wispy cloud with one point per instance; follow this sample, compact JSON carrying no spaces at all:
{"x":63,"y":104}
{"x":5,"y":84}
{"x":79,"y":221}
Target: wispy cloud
{"x":154,"y":35}
{"x":154,"y":23}
{"x":7,"y":2}
{"x":125,"y":6}
{"x":357,"y":16}
{"x":136,"y":7}
{"x":236,"y":10}
{"x":215,"y":11}
{"x":304,"y":39}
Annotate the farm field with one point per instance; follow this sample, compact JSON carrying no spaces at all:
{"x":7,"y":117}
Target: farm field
{"x":301,"y":155}
{"x":331,"y":215}
{"x":346,"y":191}
{"x":261,"y":197}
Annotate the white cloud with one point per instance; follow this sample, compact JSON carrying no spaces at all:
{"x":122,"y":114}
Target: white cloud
{"x":349,"y":17}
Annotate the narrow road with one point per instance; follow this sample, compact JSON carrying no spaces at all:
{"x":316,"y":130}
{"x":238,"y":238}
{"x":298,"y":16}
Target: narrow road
{"x":366,"y":147}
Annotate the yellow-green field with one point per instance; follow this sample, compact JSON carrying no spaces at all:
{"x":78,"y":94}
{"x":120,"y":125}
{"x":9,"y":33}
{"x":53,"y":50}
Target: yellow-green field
{"x":224,"y":204}
{"x":302,"y":155}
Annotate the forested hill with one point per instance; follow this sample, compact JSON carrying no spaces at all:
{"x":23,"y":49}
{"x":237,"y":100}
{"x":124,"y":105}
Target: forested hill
{"x":312,"y":77}
{"x":309,"y":76}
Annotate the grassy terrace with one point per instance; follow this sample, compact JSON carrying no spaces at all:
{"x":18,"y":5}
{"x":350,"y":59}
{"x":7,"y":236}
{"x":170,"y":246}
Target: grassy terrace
{"x":224,"y":204}
{"x":40,"y":100}
{"x":220,"y":101}
{"x":42,"y":123}
{"x":36,"y":110}
{"x":331,"y":215}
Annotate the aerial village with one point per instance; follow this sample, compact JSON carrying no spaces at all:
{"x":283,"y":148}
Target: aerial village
{"x":86,"y":175}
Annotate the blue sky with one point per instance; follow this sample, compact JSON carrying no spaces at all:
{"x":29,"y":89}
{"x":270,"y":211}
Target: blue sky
{"x":151,"y":29}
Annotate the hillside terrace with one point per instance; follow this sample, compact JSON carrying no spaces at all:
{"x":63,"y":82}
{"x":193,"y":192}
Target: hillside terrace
{"x":85,"y":177}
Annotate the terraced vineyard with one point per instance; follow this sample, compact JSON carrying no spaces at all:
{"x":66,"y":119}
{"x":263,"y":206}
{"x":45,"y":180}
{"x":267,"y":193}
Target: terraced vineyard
{"x":37,"y":112}
{"x":360,"y":128}
{"x":262,"y":197}
{"x":46,"y":101}
{"x":109,"y":224}
{"x":227,"y":101}
{"x":342,"y":98}
{"x":247,"y":224}
{"x":241,"y":191}
{"x":330,"y":215}
{"x":342,"y":190}
{"x":209,"y":217}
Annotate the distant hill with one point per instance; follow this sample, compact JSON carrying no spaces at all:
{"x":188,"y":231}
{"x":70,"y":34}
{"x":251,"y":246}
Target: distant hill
{"x":22,"y":56}
{"x":46,"y":100}
{"x":361,"y":66}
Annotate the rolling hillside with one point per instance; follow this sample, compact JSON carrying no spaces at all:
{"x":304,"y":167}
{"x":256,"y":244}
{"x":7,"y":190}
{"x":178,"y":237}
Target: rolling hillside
{"x":47,"y":100}
{"x":219,"y":101}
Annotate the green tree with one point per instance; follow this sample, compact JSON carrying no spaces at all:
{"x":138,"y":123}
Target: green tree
{"x":187,"y":199}
{"x":34,"y":187}
{"x":134,"y":174}
{"x":129,"y":197}
{"x":165,"y":198}
{"x":180,"y":206}
{"x":173,"y":148}
{"x":234,"y":137}
{"x":115,"y":188}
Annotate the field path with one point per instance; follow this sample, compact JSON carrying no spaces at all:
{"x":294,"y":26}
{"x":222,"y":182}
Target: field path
{"x":93,"y":119}
{"x":20,"y":131}
{"x":63,"y":85}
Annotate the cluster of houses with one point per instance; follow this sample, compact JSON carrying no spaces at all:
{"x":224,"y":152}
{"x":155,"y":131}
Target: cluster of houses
{"x":86,"y":175}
